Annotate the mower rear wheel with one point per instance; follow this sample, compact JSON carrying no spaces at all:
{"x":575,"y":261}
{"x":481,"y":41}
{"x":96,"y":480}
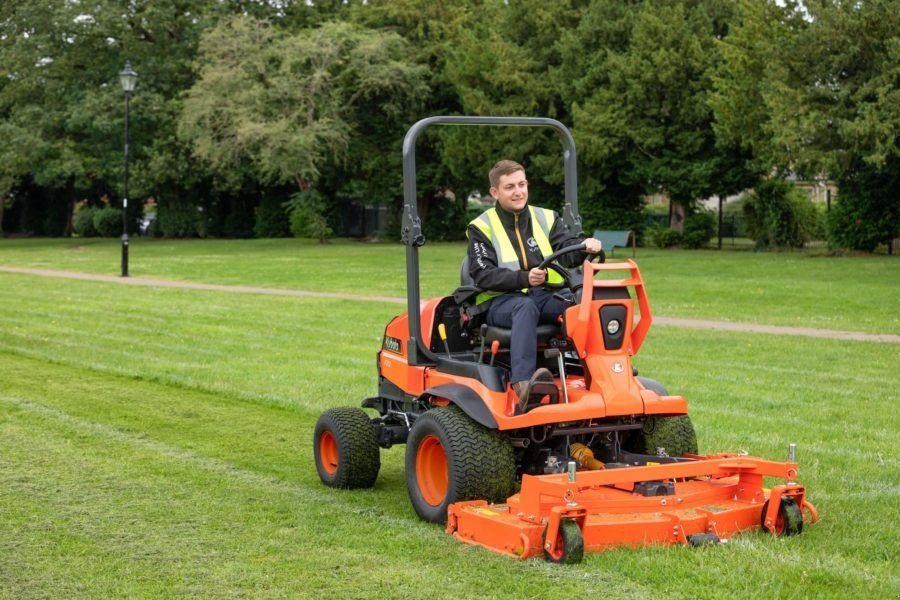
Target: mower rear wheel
{"x":789,"y":520}
{"x":451,"y":458}
{"x":674,"y":434}
{"x":345,"y":446}
{"x":569,"y":544}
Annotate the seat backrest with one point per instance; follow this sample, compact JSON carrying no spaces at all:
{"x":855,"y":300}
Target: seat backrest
{"x":465,"y":278}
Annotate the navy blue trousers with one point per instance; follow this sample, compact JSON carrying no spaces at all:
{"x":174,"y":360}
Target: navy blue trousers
{"x":522,"y":313}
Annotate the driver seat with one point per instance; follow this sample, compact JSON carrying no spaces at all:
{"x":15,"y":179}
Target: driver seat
{"x":547,"y":335}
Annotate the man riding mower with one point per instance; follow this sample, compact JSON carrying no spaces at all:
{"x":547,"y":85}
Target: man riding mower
{"x":600,"y":456}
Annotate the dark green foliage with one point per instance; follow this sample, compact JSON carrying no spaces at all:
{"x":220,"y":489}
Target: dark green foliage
{"x":699,"y":227}
{"x":663,"y":237}
{"x":446,"y":221}
{"x":240,"y":219}
{"x":56,"y":220}
{"x":108,"y":222}
{"x":813,"y":87}
{"x":616,"y":215}
{"x":308,"y":216}
{"x":83,"y":221}
{"x":693,"y":98}
{"x":272,"y":219}
{"x":178,"y":220}
{"x":778,"y":214}
{"x":867,"y":212}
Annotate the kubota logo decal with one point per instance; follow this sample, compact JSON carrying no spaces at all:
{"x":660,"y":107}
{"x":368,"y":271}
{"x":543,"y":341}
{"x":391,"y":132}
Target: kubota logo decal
{"x":391,"y":343}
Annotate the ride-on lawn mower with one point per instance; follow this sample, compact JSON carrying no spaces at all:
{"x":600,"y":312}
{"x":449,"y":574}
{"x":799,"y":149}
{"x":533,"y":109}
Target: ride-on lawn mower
{"x":602,"y":456}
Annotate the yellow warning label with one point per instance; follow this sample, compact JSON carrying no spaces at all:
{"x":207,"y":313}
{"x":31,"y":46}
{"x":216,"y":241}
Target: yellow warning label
{"x":483,"y":511}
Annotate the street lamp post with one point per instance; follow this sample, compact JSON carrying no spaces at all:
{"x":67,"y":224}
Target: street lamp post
{"x":128,"y":78}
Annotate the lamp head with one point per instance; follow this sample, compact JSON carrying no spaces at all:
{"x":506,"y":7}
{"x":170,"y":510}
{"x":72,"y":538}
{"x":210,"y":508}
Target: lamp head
{"x":128,"y":78}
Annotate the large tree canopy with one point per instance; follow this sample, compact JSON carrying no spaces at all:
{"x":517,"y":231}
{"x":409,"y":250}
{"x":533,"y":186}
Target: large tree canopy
{"x":277,"y":105}
{"x":243,"y":100}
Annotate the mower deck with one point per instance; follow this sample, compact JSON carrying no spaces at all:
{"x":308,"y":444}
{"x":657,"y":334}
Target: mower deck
{"x":702,"y":499}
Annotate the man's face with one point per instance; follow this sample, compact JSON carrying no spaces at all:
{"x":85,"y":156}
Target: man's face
{"x":511,"y":192}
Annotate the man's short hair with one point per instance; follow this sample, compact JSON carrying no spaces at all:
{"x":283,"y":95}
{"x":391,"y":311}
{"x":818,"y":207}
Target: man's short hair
{"x":504,"y":167}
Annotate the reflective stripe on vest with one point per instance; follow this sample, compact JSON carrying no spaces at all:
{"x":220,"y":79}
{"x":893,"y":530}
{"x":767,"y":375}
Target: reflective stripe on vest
{"x":490,"y":225}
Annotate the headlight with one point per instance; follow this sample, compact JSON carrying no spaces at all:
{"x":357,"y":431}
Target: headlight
{"x":613,"y":326}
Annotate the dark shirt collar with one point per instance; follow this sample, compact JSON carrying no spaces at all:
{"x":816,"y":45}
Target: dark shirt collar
{"x":509,"y":218}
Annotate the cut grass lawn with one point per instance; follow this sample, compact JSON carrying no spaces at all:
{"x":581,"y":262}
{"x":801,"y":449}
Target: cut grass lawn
{"x":791,"y":288}
{"x":157,"y":443}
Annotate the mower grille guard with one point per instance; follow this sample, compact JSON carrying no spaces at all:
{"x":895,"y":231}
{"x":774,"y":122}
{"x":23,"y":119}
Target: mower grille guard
{"x":411,"y":231}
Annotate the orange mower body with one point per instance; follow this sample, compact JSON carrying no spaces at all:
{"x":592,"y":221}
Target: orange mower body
{"x":592,"y":456}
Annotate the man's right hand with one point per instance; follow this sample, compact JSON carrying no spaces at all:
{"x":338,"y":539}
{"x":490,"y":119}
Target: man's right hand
{"x":536,"y":277}
{"x":592,"y":246}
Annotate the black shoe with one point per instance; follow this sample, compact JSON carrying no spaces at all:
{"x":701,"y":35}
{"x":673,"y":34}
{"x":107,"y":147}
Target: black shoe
{"x":541,"y":384}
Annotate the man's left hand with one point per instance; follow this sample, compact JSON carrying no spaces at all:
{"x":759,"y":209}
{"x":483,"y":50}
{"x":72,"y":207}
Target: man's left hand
{"x":592,"y":246}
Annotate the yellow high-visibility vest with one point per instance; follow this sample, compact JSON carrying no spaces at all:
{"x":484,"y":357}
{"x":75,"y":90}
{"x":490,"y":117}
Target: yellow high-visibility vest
{"x":490,"y":225}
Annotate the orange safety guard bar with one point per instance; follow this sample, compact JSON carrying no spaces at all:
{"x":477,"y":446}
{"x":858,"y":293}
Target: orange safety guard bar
{"x":582,"y":321}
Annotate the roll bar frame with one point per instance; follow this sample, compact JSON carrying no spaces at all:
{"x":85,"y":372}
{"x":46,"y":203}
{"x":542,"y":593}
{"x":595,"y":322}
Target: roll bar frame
{"x":411,"y":232}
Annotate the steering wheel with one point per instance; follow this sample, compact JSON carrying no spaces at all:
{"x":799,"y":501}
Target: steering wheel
{"x":550,"y":261}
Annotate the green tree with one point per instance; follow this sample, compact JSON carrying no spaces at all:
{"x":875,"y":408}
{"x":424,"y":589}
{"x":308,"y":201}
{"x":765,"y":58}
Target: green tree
{"x":432,"y":28}
{"x":61,"y":106}
{"x":279,"y":106}
{"x":815,"y":88}
{"x":501,"y":64}
{"x":638,"y":79}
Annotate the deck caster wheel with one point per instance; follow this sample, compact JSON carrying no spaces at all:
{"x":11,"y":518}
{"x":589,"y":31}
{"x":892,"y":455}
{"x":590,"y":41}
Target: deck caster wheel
{"x":789,"y":520}
{"x":346,"y":449}
{"x":569,"y":544}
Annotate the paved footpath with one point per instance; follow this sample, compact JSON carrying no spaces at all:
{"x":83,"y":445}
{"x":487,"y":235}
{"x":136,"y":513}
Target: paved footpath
{"x":243,"y":289}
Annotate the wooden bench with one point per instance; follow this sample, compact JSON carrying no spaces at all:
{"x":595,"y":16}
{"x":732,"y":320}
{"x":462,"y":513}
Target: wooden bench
{"x":612,"y":238}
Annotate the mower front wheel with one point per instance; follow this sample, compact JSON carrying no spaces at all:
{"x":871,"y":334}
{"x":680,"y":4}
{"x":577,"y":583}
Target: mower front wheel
{"x":451,"y":458}
{"x":569,"y":544}
{"x":789,"y":520}
{"x":345,"y":446}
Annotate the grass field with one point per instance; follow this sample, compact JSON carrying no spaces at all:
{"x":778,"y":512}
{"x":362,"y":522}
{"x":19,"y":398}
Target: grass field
{"x":157,"y":442}
{"x":792,"y":288}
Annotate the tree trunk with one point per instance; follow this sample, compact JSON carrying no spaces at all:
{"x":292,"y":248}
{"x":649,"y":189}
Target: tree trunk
{"x":70,"y":208}
{"x":676,"y":215}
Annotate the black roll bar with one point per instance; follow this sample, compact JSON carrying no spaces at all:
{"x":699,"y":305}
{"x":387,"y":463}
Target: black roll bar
{"x":411,"y":234}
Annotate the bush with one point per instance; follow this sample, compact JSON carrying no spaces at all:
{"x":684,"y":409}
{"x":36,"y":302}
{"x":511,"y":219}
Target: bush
{"x":780,"y":215}
{"x":663,"y":237}
{"x":83,"y":221}
{"x":446,"y":222}
{"x":699,"y":227}
{"x":308,"y":220}
{"x":240,"y":220}
{"x":178,"y":220}
{"x":272,"y":219}
{"x":597,"y":216}
{"x":108,"y":222}
{"x":867,"y":212}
